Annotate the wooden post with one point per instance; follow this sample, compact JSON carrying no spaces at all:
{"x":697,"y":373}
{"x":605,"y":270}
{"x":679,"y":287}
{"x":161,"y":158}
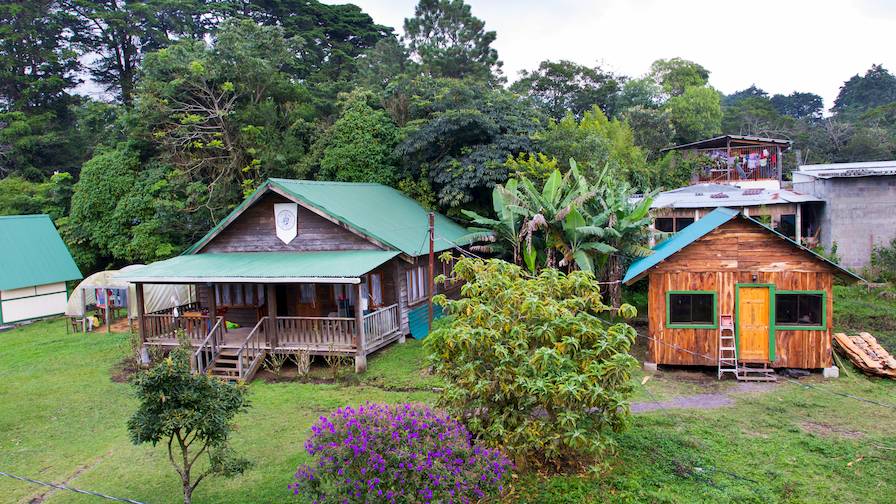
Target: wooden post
{"x":212,"y":308}
{"x":432,"y":266}
{"x":272,"y":315}
{"x":779,"y":164}
{"x":798,"y":223}
{"x":107,"y":292}
{"x":360,"y":339}
{"x":141,"y":308}
{"x":84,"y":310}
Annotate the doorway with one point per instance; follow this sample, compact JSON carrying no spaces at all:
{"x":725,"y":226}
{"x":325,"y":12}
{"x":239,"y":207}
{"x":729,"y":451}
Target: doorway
{"x":755,"y":330}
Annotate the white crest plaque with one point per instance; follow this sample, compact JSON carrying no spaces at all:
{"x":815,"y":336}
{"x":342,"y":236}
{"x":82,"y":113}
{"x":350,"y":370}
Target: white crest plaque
{"x":285,"y":219}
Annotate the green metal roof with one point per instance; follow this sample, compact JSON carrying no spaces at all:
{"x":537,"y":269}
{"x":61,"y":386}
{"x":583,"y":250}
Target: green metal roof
{"x":32,"y":253}
{"x":374,"y":210}
{"x":701,"y":228}
{"x":267,"y":267}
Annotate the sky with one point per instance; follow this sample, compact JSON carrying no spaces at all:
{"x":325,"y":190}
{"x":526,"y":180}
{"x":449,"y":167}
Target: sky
{"x":781,"y":46}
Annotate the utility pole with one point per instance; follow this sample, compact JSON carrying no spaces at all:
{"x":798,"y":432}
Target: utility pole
{"x":432,"y":261}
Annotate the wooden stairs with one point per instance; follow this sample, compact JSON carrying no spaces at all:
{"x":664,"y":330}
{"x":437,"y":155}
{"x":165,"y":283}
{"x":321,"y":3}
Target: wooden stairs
{"x":728,"y":361}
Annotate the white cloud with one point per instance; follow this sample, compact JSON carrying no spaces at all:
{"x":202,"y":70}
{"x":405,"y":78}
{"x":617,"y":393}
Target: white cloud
{"x":781,"y":46}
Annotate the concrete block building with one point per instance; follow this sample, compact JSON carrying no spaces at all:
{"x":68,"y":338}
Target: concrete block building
{"x":859,"y":210}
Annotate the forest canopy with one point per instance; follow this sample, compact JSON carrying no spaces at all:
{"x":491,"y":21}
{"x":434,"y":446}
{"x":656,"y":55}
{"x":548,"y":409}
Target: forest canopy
{"x":201,"y":100}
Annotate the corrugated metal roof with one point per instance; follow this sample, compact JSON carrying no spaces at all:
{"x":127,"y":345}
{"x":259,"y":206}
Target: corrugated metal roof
{"x":680,"y":240}
{"x":722,"y":141}
{"x":378,"y":211}
{"x":724,"y":195}
{"x":272,"y":267}
{"x":838,"y":170}
{"x":32,"y":253}
{"x":701,"y":228}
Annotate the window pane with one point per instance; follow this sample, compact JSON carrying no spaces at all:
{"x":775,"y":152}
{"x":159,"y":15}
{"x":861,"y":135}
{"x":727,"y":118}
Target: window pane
{"x":683,"y":222}
{"x":664,"y":224}
{"x":786,"y":309}
{"x":679,"y":308}
{"x":691,"y":309}
{"x":810,"y":309}
{"x":702,"y":308}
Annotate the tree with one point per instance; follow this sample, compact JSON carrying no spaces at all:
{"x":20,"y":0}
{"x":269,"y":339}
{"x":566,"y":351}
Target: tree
{"x":226,"y":116}
{"x":191,"y":413}
{"x":123,"y":211}
{"x":861,"y":93}
{"x":676,"y":75}
{"x":449,"y":41}
{"x":643,"y":92}
{"x":696,"y":114}
{"x":360,"y":145}
{"x":753,"y":115}
{"x":563,"y":86}
{"x":534,"y":364}
{"x":621,"y":228}
{"x":799,"y":105}
{"x":738,"y":96}
{"x":652,"y":129}
{"x":121,"y":32}
{"x":595,"y":142}
{"x":36,"y":70}
{"x":461,"y":132}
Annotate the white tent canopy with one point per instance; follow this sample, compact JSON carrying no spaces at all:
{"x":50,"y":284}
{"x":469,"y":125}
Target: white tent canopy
{"x":155,"y":296}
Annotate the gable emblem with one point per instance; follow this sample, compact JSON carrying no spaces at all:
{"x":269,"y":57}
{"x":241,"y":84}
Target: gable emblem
{"x":285,"y":221}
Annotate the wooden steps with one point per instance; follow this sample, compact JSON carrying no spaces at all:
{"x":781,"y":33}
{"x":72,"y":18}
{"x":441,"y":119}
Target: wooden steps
{"x":225,"y":365}
{"x":756,"y":373}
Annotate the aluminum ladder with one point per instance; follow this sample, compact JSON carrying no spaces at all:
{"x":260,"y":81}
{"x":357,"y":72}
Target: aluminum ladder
{"x":727,"y":347}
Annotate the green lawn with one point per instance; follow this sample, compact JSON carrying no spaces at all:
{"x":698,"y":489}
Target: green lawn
{"x":61,"y":414}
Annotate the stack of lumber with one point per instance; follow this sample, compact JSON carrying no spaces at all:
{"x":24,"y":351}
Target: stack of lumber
{"x":864,"y":351}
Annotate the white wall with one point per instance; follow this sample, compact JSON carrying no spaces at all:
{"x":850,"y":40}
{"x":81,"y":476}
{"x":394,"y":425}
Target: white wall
{"x":32,"y":302}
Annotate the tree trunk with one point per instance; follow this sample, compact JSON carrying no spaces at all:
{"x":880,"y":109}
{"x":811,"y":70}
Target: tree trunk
{"x":188,"y":491}
{"x":615,"y":288}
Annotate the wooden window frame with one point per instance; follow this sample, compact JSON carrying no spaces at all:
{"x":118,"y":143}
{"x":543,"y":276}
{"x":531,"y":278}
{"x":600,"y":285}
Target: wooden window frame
{"x":411,"y":277}
{"x":715,"y":310}
{"x":823,"y":326}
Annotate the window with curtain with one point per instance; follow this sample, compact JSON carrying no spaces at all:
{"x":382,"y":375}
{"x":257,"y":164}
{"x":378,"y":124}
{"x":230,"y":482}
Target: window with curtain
{"x":416,"y":280}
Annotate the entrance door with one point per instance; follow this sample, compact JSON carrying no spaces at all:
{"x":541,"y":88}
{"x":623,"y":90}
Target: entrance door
{"x":753,"y":322}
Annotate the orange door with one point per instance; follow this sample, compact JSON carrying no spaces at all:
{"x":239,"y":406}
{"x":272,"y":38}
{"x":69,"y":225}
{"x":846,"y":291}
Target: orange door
{"x":753,"y":323}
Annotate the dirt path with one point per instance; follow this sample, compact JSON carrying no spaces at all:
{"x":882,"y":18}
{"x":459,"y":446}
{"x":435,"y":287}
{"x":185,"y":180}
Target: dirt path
{"x":703,"y":401}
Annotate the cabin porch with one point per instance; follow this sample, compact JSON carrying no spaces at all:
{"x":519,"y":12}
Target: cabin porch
{"x":238,"y":319}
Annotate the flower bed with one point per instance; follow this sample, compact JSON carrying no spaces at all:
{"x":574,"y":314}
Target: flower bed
{"x":403,"y":453}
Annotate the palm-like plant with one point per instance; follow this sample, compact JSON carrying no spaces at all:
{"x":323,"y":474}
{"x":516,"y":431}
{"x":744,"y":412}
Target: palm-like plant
{"x":501,"y":234}
{"x":621,"y":227}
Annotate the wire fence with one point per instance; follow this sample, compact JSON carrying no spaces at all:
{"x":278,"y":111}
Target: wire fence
{"x":59,"y":486}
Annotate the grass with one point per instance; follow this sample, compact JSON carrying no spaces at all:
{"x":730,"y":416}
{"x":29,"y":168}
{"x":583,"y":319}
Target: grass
{"x":61,"y":415}
{"x":872,"y":310}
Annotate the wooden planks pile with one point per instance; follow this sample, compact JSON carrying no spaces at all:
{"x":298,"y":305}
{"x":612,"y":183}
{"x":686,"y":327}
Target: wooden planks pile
{"x":864,"y":351}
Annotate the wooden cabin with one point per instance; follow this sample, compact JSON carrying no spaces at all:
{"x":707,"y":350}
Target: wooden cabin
{"x":322,"y":267}
{"x":729,"y":292}
{"x":35,"y":265}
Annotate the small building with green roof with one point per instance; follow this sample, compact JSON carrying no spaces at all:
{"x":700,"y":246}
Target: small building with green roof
{"x":35,"y":265}
{"x":302,"y":267}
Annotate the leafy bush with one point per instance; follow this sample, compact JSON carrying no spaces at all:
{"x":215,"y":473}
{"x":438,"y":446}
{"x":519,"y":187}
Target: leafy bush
{"x":404,"y":453}
{"x":531,"y":363}
{"x":883,"y":262}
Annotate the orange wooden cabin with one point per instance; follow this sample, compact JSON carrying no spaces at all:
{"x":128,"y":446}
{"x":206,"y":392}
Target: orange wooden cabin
{"x":728,"y":291}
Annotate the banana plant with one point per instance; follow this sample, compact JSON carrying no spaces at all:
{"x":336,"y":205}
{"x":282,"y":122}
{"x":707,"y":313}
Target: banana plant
{"x":501,"y":234}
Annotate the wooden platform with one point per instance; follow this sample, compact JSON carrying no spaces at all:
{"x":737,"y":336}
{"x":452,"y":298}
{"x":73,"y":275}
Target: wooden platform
{"x":866,"y":353}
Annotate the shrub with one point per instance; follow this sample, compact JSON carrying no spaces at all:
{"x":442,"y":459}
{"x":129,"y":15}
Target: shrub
{"x":883,"y":262}
{"x":535,"y":364}
{"x":404,"y":453}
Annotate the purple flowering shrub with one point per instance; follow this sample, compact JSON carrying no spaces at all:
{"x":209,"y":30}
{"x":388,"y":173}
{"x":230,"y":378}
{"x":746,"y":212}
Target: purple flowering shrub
{"x":403,"y":453}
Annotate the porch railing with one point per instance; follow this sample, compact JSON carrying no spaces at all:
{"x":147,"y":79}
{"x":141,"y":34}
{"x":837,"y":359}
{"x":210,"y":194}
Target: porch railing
{"x":252,"y":351}
{"x":209,"y":348}
{"x":166,"y":325}
{"x":380,"y":324}
{"x":317,"y":333}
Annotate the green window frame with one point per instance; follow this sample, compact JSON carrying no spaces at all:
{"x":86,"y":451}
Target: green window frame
{"x":823,"y":326}
{"x":715,"y":310}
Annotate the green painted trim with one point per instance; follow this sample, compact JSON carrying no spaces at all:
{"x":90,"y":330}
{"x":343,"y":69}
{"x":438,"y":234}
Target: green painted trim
{"x":824,"y":312}
{"x":771,"y":316}
{"x":715,"y":310}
